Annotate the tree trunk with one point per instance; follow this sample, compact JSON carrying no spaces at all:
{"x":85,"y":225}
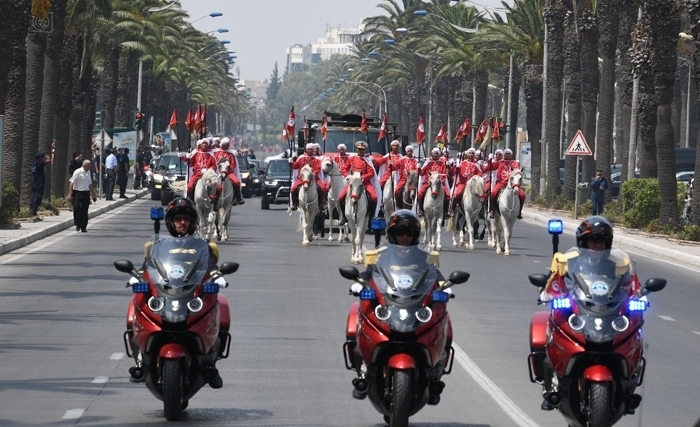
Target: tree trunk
{"x":677,"y":109}
{"x":481,"y":85}
{"x":14,"y":23}
{"x":59,"y":168}
{"x":77,"y":102}
{"x":628,"y":18}
{"x":513,"y":109}
{"x":532,"y":87}
{"x":695,"y":32}
{"x":588,"y":28}
{"x":554,"y":17}
{"x":572,"y":73}
{"x":111,"y":80}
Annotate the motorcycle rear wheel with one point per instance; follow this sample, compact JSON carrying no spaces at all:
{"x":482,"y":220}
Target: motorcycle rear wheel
{"x":598,"y":405}
{"x":401,"y":398}
{"x":172,"y":389}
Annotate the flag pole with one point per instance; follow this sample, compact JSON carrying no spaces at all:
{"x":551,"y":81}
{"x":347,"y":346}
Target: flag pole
{"x":179,"y":143}
{"x":491,"y":183}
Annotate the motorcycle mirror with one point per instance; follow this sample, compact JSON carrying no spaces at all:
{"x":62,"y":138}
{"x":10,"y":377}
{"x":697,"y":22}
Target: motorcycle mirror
{"x":350,"y":273}
{"x":539,"y":280}
{"x":229,"y":267}
{"x":458,"y":277}
{"x":125,"y":266}
{"x":654,"y":285}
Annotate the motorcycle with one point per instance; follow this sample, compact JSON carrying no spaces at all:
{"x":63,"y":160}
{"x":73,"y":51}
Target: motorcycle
{"x":399,"y":335}
{"x":177,"y":322}
{"x":146,"y":177}
{"x":587,"y":351}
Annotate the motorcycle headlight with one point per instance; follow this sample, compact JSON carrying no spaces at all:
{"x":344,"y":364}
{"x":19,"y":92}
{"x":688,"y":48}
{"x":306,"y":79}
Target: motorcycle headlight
{"x":382,"y":313}
{"x":576,"y":323}
{"x":155,"y":304}
{"x":621,"y":324}
{"x":195,"y":305}
{"x":424,"y":314}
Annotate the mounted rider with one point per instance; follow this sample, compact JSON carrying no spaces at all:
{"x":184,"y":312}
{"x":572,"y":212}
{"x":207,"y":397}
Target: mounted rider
{"x":234,"y":174}
{"x":317,"y":151}
{"x":433,"y":164}
{"x":390,"y":163}
{"x":467,"y":169}
{"x":198,"y":161}
{"x":341,"y":158}
{"x":490,"y":177}
{"x":504,"y":168}
{"x":361,"y":163}
{"x":408,"y":164}
{"x":308,"y":158}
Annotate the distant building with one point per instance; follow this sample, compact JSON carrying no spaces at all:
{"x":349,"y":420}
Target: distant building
{"x":338,"y":41}
{"x":257,"y":90}
{"x":300,"y":55}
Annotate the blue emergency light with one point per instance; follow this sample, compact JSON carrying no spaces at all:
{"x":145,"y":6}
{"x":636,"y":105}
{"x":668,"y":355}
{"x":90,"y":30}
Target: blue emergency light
{"x":561,"y":303}
{"x":555,"y":227}
{"x":637,"y":305}
{"x":210,"y":288}
{"x":141,"y":288}
{"x":440,"y":296}
{"x":157,"y":213}
{"x":368,"y":294}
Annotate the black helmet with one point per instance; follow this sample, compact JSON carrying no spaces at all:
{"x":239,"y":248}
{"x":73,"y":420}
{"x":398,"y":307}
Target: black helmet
{"x":595,"y":227}
{"x":181,"y":206}
{"x":403,"y":220}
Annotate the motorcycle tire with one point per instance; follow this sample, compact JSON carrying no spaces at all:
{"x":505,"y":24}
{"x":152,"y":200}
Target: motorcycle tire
{"x":599,"y":405}
{"x":400,"y":398}
{"x":172,"y":389}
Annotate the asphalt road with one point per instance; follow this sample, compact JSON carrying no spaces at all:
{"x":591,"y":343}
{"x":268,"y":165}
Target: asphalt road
{"x":63,"y":306}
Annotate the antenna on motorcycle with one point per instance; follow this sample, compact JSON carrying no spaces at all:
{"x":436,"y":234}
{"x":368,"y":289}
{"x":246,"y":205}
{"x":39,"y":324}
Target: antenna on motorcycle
{"x":157,"y":215}
{"x":555,"y":228}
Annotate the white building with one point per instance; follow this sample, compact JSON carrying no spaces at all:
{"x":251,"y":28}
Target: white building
{"x":257,"y":89}
{"x":300,"y":55}
{"x":337,"y":41}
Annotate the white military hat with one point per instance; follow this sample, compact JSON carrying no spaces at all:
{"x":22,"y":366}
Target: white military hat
{"x":409,"y":148}
{"x":508,"y":151}
{"x":309,"y":146}
{"x":361,"y":144}
{"x":342,"y":146}
{"x":395,"y":143}
{"x":435,"y":151}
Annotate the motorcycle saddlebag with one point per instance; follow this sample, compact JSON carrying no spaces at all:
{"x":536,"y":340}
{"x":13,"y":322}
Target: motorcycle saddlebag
{"x":538,"y":340}
{"x":224,"y":314}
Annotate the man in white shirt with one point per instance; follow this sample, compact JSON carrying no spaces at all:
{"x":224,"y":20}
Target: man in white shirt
{"x":79,"y":192}
{"x":111,"y":166}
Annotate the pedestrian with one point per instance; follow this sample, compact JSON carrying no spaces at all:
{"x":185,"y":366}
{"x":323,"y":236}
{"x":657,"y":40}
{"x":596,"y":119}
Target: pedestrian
{"x":110,"y":174}
{"x":80,"y":191}
{"x":138,"y":168}
{"x":251,"y":155}
{"x":598,"y":186}
{"x":41,"y":160}
{"x":123,"y":171}
{"x":76,"y":163}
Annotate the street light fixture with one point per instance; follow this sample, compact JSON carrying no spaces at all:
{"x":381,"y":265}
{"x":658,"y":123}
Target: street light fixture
{"x":402,"y":30}
{"x":158,"y":9}
{"x":220,"y":31}
{"x":225,"y":41}
{"x":373,"y":54}
{"x":213,"y":15}
{"x":365,"y":59}
{"x":390,"y":41}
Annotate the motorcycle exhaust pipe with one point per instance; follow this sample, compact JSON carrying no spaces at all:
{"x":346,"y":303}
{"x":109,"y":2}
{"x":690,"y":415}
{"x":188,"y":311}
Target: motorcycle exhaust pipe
{"x":633,"y":401}
{"x":360,"y":385}
{"x":553,"y":398}
{"x":137,"y":374}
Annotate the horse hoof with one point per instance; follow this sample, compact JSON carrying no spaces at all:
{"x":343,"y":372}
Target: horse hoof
{"x":330,"y":239}
{"x":498,"y":250}
{"x":438,"y":248}
{"x":471,"y":246}
{"x":492,"y":245}
{"x":305,"y":244}
{"x":454,"y":244}
{"x":506,"y":253}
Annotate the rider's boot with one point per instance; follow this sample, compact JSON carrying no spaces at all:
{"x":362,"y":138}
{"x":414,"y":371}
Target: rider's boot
{"x":238,"y":195}
{"x":492,"y":209}
{"x":420,"y":207}
{"x":371,"y":208}
{"x":342,"y":219}
{"x":295,"y":200}
{"x":522,"y":205}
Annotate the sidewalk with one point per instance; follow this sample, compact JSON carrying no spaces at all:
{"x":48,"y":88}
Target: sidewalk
{"x":661,"y":246}
{"x":30,"y":232}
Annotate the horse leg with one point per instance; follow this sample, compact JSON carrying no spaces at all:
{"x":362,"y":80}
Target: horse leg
{"x":304,"y":228}
{"x":438,"y":231}
{"x":331,"y":208}
{"x":470,"y":232}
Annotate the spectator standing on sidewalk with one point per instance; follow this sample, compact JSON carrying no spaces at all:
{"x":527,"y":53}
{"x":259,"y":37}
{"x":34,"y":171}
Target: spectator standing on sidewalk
{"x":123,"y":171}
{"x":39,"y":181}
{"x":598,"y":186}
{"x":138,"y":168}
{"x":76,"y":163}
{"x":80,"y":191}
{"x":111,"y":173}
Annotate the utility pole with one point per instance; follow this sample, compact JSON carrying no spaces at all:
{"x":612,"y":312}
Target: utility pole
{"x":510,"y":142}
{"x":631,"y":160}
{"x":543,"y":141}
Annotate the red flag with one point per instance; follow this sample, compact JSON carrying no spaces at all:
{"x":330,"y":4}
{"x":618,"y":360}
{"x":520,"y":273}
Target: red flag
{"x":496,"y":130}
{"x":285,"y":137}
{"x":291,"y":123}
{"x":306,"y":130}
{"x":464,"y":129}
{"x":481,"y":132}
{"x":420,"y":132}
{"x":363,"y":124}
{"x":198,"y":119}
{"x":382,"y":130}
{"x":189,"y":121}
{"x":173,"y":119}
{"x":324,"y":125}
{"x":442,"y":134}
{"x":204,"y":120}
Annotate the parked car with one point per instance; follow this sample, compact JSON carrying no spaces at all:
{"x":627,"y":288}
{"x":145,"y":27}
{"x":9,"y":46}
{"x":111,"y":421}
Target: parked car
{"x":685,"y":176}
{"x":168,"y":168}
{"x":275,"y":189}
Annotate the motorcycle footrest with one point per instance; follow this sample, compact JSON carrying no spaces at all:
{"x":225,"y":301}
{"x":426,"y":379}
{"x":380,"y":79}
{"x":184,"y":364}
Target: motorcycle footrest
{"x":127,"y":344}
{"x":450,"y":361}
{"x":531,"y":360}
{"x":347,"y":356}
{"x":225,"y":348}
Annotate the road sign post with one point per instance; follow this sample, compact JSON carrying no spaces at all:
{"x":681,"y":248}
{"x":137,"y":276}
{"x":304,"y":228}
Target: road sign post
{"x":102,"y":139}
{"x":578,"y":147}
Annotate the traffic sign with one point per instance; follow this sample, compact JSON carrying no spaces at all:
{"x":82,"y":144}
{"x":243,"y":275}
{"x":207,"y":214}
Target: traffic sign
{"x":103,"y":139}
{"x":578,"y":146}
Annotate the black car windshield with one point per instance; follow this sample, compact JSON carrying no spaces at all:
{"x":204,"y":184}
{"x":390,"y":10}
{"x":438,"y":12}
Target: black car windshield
{"x":349,"y":137}
{"x":172,"y":163}
{"x":599,"y":281}
{"x":177,"y":264}
{"x":280,"y":167}
{"x":404,"y":274}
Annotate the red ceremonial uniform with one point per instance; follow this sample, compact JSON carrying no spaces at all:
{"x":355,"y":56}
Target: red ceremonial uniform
{"x":392,"y":162}
{"x":233,"y":160}
{"x":433,"y":166}
{"x":467,"y":170}
{"x":503,"y":169}
{"x":408,"y":164}
{"x":364,"y":167}
{"x":315,"y":164}
{"x":341,"y":160}
{"x":199,"y":161}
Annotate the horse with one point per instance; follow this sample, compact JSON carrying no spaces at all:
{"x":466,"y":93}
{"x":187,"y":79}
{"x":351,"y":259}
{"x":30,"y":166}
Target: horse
{"x":225,"y":202}
{"x":409,"y":191}
{"x":204,"y":193}
{"x":472,"y":206}
{"x":330,"y":169}
{"x":507,"y":212}
{"x":433,"y":209}
{"x":308,"y":204}
{"x":357,"y":215}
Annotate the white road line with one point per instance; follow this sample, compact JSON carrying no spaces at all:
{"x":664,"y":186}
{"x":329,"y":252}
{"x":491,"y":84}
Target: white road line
{"x":116,"y":356}
{"x":675,"y":264}
{"x":696,"y":332}
{"x":535,"y":261}
{"x":508,"y":406}
{"x":100,"y":380}
{"x":669,"y":318}
{"x":73,"y":414}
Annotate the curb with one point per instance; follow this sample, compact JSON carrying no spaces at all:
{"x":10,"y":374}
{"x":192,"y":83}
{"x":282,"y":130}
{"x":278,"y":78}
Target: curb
{"x":634,"y":243}
{"x":32,"y":237}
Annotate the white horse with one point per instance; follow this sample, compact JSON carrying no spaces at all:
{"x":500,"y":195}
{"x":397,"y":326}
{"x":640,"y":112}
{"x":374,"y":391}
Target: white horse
{"x":507,"y":212}
{"x":472,"y":206}
{"x":330,"y":169}
{"x":357,"y":216}
{"x":225,"y":201}
{"x":433,"y":208}
{"x":204,"y":193}
{"x":308,"y":204}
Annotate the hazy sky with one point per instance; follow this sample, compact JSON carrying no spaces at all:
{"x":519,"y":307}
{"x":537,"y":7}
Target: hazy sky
{"x":261,"y":30}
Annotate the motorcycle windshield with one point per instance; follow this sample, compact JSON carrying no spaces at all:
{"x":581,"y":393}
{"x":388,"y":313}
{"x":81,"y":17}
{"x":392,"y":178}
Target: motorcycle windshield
{"x":599,"y":281}
{"x":177,"y":264}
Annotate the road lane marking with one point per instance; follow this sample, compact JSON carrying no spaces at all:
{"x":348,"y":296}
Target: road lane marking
{"x":535,"y":261}
{"x":669,"y":318}
{"x":696,"y":332}
{"x":116,"y":356}
{"x":509,"y":407}
{"x":100,"y":380}
{"x":73,"y":414}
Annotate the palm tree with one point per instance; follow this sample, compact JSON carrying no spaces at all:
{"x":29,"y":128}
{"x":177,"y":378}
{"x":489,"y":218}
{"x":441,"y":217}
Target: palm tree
{"x":59,"y":169}
{"x":588,"y":30}
{"x":554,"y":17}
{"x":572,"y":73}
{"x":641,"y":60}
{"x":693,"y":10}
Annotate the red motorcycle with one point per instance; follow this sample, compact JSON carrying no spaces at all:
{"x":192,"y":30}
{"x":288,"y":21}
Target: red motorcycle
{"x":587,"y":352}
{"x":177,"y":322}
{"x":399,"y":334}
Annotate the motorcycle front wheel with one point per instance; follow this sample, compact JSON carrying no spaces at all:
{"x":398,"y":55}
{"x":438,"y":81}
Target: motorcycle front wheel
{"x":400,"y":398}
{"x":172,"y":389}
{"x":599,"y":405}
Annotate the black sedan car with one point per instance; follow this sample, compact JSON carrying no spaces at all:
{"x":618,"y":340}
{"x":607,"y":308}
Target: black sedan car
{"x":169,"y":169}
{"x":276,"y":186}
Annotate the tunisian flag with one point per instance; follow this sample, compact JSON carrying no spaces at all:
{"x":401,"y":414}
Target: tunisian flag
{"x":173,"y":119}
{"x":496,"y":130}
{"x":464,"y":129}
{"x":324,"y":125}
{"x":363,"y":124}
{"x":198,"y":119}
{"x":291,"y":123}
{"x":420,"y":132}
{"x":483,"y":129}
{"x":306,"y":130}
{"x":442,"y":134}
{"x":285,"y":135}
{"x":382,"y":130}
{"x":189,"y":121}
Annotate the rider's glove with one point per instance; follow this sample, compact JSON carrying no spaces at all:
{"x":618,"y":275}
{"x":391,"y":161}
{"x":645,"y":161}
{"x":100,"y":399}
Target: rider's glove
{"x":490,"y":156}
{"x":133,"y":280}
{"x":356,"y":288}
{"x":221,"y":282}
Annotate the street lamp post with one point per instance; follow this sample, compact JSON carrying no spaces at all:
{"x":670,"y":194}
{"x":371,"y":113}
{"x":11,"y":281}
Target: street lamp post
{"x":359,"y":84}
{"x":687,"y":102}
